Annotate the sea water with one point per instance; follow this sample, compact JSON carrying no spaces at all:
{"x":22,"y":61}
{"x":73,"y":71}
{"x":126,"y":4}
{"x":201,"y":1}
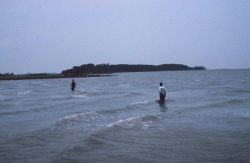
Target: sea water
{"x":117,"y":119}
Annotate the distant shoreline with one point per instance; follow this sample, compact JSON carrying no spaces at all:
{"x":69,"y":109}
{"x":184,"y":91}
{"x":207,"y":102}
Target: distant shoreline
{"x":49,"y":76}
{"x":100,"y":70}
{"x":109,"y":68}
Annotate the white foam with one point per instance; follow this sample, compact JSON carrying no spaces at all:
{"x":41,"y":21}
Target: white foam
{"x":78,"y":116}
{"x":80,"y":96}
{"x":141,"y":102}
{"x":115,"y":123}
{"x":143,"y":121}
{"x":24,"y":92}
{"x":125,"y":123}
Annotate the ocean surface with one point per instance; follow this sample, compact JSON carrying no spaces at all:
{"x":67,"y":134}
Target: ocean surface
{"x":117,"y":119}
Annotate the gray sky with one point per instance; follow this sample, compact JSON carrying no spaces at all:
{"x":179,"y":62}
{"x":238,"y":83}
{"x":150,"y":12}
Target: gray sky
{"x":53,"y":35}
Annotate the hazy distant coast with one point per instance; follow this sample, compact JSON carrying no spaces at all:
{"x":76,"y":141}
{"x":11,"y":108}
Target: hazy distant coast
{"x":92,"y":70}
{"x":46,"y":76}
{"x":107,"y":68}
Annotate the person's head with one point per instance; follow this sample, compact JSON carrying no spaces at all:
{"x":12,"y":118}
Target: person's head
{"x":73,"y":80}
{"x":160,"y":83}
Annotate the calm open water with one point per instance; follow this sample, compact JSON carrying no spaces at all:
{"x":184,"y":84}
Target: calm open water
{"x":116,"y":119}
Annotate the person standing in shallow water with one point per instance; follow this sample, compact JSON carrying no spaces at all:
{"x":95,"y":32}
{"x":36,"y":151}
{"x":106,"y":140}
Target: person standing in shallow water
{"x":73,"y":85}
{"x":162,"y":93}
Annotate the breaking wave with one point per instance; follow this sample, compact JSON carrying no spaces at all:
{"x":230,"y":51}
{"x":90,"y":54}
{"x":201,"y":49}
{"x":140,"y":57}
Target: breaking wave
{"x":80,"y":96}
{"x":76,"y":117}
{"x":24,"y":92}
{"x":143,"y":121}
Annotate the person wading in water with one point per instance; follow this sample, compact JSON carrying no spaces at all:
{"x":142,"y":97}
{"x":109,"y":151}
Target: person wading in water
{"x":162,"y":93}
{"x":73,"y":85}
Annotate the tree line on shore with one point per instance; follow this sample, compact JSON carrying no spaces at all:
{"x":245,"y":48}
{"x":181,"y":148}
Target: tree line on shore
{"x":107,"y":68}
{"x":7,"y":74}
{"x":93,"y":70}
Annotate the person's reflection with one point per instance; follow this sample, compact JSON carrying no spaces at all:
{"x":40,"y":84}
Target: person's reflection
{"x":163,"y":107}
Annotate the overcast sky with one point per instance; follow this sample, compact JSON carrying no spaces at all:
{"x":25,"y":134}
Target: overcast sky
{"x":53,"y":35}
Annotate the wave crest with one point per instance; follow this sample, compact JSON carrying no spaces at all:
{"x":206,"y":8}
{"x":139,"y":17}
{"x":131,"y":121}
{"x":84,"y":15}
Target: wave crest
{"x":24,"y":92}
{"x":79,"y":116}
{"x":140,"y":121}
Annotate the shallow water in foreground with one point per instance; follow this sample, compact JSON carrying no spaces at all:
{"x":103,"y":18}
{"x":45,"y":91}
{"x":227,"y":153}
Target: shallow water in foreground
{"x":116,"y":119}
